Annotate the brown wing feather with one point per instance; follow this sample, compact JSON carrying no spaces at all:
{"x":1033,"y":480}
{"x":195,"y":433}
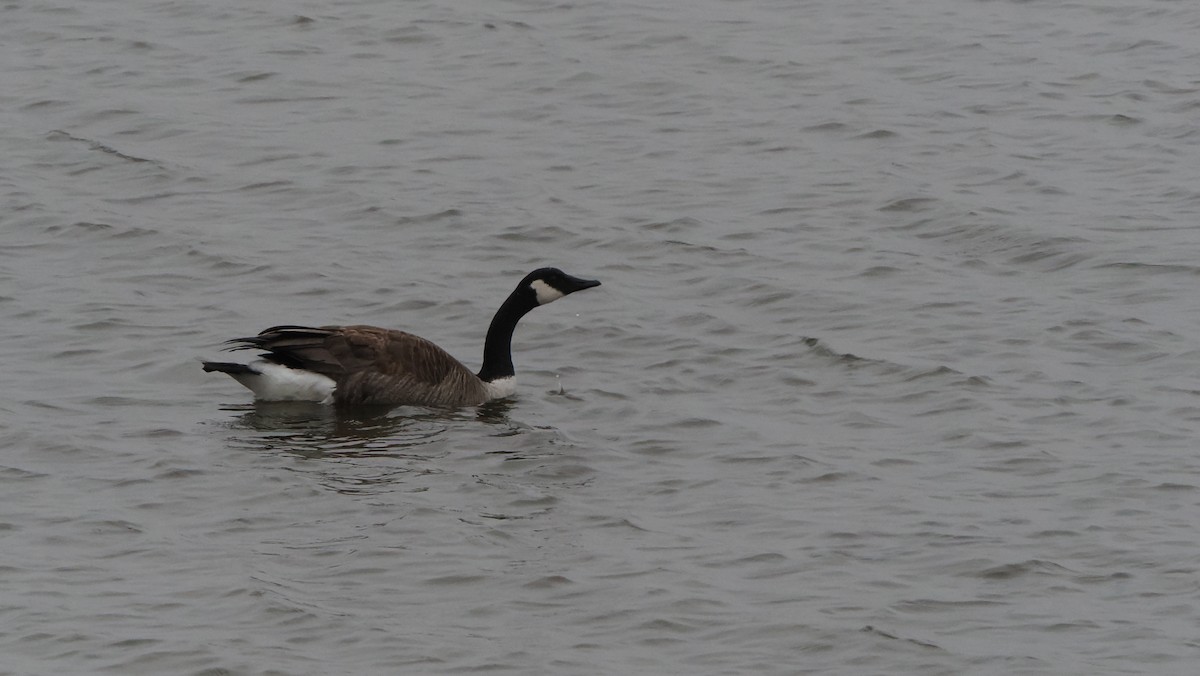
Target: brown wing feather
{"x":372,"y":365}
{"x":299,"y":347}
{"x":392,"y":353}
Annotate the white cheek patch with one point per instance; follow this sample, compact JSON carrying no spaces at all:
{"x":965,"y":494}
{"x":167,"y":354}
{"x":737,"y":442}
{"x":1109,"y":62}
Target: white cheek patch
{"x":545,"y":292}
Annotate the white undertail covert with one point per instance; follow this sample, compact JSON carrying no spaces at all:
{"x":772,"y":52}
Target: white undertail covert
{"x":272,"y":382}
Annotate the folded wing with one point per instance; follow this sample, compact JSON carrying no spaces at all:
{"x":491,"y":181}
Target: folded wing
{"x":371,"y":365}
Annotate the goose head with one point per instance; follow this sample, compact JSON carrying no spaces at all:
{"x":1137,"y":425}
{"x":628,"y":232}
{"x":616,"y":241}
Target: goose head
{"x":549,"y":284}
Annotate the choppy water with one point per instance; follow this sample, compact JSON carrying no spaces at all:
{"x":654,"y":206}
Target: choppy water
{"x":893,"y":369}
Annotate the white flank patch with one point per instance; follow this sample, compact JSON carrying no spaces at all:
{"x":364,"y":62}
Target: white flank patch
{"x":501,"y":387}
{"x":280,"y":383}
{"x":545,"y":292}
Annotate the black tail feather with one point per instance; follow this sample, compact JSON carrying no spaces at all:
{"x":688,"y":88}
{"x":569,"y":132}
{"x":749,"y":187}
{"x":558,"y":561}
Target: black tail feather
{"x":278,"y":337}
{"x":226,"y":367}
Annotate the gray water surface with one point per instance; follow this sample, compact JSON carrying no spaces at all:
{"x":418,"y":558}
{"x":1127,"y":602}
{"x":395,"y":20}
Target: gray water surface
{"x":893,"y":370}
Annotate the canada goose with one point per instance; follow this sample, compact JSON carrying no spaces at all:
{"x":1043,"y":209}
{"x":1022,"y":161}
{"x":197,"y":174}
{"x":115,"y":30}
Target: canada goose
{"x":366,"y":365}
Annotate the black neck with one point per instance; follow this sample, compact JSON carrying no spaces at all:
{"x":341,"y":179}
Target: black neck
{"x":497,"y":348}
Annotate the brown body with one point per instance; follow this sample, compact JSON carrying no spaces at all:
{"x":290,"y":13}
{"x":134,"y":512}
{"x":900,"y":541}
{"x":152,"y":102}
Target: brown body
{"x":373,"y":366}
